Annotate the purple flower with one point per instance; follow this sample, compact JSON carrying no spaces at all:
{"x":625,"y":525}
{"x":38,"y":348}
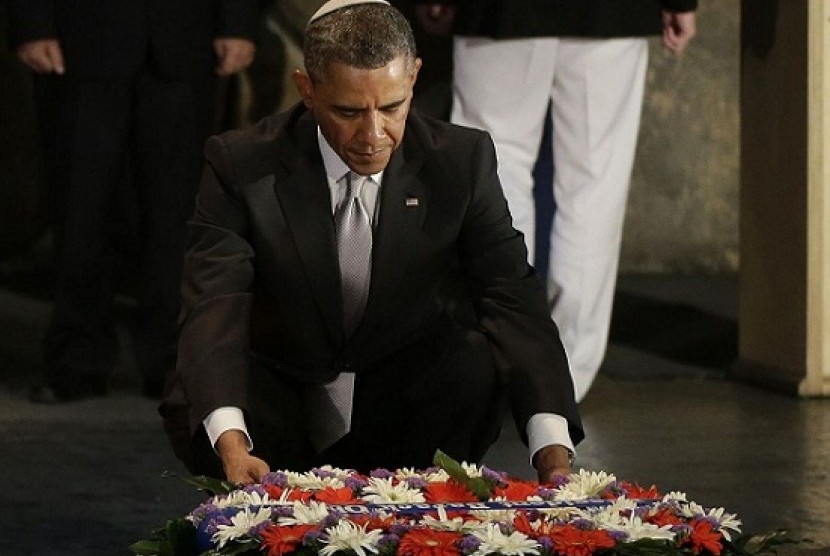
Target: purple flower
{"x":416,"y":482}
{"x":322,"y":473}
{"x":275,"y":478}
{"x":214,"y":523}
{"x":202,"y":511}
{"x":584,"y":524}
{"x":468,"y":544}
{"x":547,"y":544}
{"x":618,"y":536}
{"x":495,"y":476}
{"x":381,"y":474}
{"x":254,"y":488}
{"x":388,"y":541}
{"x":547,"y":493}
{"x":256,"y":529}
{"x":312,"y":537}
{"x":355,"y":483}
{"x":398,"y":529}
{"x":282,"y":511}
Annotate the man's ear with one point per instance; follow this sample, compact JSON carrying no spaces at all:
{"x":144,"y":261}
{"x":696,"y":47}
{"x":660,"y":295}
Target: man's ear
{"x":417,"y":68}
{"x":304,"y":86}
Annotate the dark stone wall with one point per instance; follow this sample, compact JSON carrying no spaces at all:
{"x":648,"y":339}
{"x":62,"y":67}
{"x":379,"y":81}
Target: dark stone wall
{"x":683,"y":208}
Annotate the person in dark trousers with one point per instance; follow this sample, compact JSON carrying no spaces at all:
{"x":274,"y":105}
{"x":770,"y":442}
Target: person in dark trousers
{"x":354,"y":291}
{"x":125,"y":92}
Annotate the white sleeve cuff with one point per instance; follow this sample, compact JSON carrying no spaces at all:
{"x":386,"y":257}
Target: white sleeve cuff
{"x":224,"y":419}
{"x":544,"y":429}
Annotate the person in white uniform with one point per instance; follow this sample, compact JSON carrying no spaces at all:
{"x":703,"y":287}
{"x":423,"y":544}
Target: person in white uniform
{"x":587,"y":60}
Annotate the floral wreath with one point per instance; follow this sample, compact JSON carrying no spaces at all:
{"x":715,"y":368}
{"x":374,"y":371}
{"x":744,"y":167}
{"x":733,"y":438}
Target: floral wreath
{"x":451,"y":509}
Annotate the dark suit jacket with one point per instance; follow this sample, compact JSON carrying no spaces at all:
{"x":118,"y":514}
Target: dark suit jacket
{"x":110,"y":39}
{"x":261,"y":273}
{"x":510,"y":19}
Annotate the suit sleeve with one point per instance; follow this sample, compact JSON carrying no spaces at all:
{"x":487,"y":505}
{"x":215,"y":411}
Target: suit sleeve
{"x":216,"y":294}
{"x":238,"y":18}
{"x":679,"y":5}
{"x":30,"y":20}
{"x":512,"y":304}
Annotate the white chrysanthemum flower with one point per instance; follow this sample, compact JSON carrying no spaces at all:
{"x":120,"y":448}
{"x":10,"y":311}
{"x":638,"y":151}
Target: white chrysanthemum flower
{"x":383,"y":491}
{"x":471,"y":469}
{"x":439,"y":475}
{"x":310,"y":481}
{"x":637,"y":529}
{"x":582,"y":485}
{"x":241,"y":498}
{"x":504,"y":516}
{"x":456,"y":524}
{"x":347,"y":536}
{"x":675,"y":496}
{"x":610,"y":516}
{"x":727,"y":523}
{"x":240,"y":526}
{"x":493,"y":541}
{"x":308,"y":513}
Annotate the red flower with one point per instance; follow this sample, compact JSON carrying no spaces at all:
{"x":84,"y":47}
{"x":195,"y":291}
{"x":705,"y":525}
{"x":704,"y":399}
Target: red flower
{"x":300,"y":495}
{"x":426,"y":542}
{"x":664,"y":516}
{"x":703,"y":537}
{"x":279,"y":541}
{"x":373,"y":522}
{"x":517,"y":491}
{"x":634,"y":491}
{"x":572,"y":541}
{"x":333,"y":495}
{"x":274,"y":491}
{"x":451,"y":491}
{"x":523,"y":525}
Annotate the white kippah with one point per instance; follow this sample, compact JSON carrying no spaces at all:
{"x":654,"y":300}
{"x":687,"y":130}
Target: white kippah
{"x":334,"y":5}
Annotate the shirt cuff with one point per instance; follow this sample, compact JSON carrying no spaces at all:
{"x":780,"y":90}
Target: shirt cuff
{"x":544,"y":429}
{"x":224,"y":419}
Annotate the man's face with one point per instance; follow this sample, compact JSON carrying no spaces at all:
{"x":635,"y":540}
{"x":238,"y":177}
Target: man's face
{"x":361,"y":112}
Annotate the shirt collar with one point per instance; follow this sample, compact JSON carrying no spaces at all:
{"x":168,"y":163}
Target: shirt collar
{"x":334,"y":165}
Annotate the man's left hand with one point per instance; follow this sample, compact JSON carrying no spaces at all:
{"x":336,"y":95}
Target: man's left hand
{"x":551,"y":461}
{"x":678,"y":30}
{"x":233,"y":55}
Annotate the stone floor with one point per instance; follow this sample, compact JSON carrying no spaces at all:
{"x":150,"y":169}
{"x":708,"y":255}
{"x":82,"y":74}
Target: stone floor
{"x":86,"y":478}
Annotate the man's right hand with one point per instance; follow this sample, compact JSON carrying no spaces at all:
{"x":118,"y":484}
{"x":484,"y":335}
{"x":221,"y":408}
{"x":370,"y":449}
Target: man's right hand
{"x":42,"y":56}
{"x":239,"y":465}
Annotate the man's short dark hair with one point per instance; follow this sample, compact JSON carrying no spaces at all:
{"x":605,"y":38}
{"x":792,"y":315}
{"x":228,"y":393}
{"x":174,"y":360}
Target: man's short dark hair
{"x":366,"y":36}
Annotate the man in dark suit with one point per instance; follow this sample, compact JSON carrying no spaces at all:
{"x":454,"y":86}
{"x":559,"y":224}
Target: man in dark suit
{"x":126,"y":84}
{"x":272,"y":370}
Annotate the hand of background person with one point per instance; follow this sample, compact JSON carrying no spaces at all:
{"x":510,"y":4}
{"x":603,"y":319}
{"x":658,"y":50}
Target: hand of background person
{"x":233,"y":55}
{"x":42,"y":56}
{"x":678,"y":29}
{"x":551,"y":461}
{"x":239,"y":465}
{"x":435,"y":18}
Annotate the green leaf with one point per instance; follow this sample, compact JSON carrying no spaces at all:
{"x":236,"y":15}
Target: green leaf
{"x":767,"y":543}
{"x":479,"y":486}
{"x":146,"y":547}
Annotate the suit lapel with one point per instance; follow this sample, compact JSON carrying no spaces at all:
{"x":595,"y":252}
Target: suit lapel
{"x":404,"y":202}
{"x":304,"y":195}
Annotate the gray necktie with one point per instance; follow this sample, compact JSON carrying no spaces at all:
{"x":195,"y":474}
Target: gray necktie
{"x":330,"y":405}
{"x":354,"y":249}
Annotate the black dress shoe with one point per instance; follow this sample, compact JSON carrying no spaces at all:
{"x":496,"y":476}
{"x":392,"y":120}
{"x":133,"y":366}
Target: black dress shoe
{"x":81,"y":390}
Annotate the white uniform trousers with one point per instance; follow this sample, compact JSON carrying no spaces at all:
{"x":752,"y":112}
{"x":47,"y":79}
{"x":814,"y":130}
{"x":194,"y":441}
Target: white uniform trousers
{"x":596,"y":90}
